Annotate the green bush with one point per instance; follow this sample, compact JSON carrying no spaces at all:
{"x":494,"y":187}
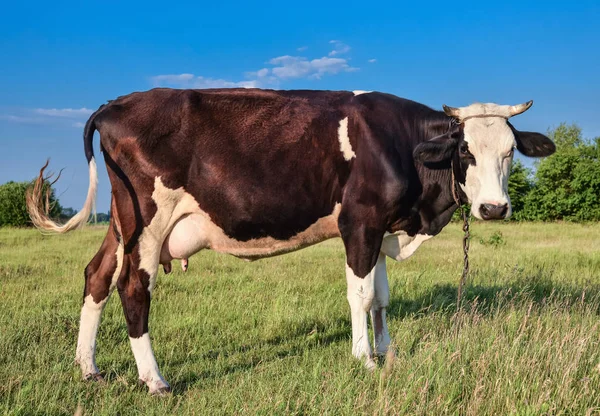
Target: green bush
{"x":494,"y":240}
{"x":520,"y":184}
{"x":566,"y":185}
{"x":13,"y":209}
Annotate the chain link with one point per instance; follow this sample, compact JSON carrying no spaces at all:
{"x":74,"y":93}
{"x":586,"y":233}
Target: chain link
{"x":466,"y":241}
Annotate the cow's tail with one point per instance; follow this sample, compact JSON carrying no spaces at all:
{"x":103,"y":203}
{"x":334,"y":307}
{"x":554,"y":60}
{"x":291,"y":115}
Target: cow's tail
{"x":38,"y":195}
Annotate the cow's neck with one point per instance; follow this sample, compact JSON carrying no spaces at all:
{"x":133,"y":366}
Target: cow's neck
{"x":436,"y":204}
{"x":432,"y":206}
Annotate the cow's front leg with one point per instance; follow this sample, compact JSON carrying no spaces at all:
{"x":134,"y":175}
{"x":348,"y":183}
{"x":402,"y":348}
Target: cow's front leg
{"x":134,"y":291}
{"x":361,"y":292}
{"x":362,"y":243}
{"x":381,"y":335}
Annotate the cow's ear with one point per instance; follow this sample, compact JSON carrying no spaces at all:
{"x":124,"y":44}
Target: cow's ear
{"x":533,"y":144}
{"x":436,"y":150}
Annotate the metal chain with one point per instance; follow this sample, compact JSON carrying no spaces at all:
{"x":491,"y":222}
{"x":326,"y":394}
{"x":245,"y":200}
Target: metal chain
{"x":466,"y":241}
{"x":465,"y":272}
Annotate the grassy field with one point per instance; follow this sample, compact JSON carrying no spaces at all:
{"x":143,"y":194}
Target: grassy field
{"x":273,"y":336}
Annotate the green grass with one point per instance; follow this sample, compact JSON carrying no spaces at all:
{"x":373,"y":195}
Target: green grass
{"x":273,"y":336}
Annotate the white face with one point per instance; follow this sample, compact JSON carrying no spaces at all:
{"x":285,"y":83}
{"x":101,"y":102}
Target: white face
{"x":490,"y":143}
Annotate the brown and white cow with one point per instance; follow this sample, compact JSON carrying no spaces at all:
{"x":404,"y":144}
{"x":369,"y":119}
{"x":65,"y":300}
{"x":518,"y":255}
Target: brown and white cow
{"x":258,"y":173}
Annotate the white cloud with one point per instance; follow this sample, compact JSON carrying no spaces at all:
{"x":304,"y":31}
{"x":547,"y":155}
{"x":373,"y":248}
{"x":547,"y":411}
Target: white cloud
{"x":22,"y":119}
{"x":302,"y":48}
{"x":261,"y":73}
{"x":78,"y":125}
{"x":192,"y":81}
{"x":289,"y":67}
{"x":172,"y":79}
{"x":339,"y":48}
{"x":64,"y":112}
{"x":58,"y":116}
{"x":372,"y":61}
{"x":283,"y":68}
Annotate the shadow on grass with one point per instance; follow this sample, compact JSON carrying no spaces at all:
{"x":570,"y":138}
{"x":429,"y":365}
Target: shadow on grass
{"x":439,"y":299}
{"x":250,"y":356}
{"x":442,"y":298}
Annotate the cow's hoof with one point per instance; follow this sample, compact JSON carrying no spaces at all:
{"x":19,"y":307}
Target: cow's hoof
{"x":97,"y":377}
{"x":370,"y":364}
{"x":384,"y":353}
{"x":163,"y":391}
{"x":157,"y":388}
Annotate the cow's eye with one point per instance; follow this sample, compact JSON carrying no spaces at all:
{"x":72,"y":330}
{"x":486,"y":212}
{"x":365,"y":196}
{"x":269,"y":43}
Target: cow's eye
{"x":464,"y":151}
{"x":510,"y":153}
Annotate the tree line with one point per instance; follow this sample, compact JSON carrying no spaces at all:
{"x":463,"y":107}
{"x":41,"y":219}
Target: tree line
{"x":564,"y":186}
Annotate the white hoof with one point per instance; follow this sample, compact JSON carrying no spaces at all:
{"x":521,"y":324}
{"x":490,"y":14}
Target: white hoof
{"x":157,"y":387}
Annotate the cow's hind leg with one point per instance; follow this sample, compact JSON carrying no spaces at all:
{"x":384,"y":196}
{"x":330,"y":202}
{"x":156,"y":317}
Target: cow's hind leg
{"x":381,"y":335}
{"x":134,"y":287}
{"x":100,"y":278}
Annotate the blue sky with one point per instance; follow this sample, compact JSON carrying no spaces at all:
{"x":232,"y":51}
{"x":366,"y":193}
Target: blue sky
{"x":61,"y":60}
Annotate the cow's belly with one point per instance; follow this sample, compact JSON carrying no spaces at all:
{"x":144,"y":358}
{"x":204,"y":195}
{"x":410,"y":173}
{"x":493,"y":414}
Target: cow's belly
{"x":195,"y":232}
{"x":401,"y":246}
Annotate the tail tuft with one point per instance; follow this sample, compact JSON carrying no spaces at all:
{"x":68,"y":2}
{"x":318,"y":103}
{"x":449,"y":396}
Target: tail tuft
{"x":38,"y":203}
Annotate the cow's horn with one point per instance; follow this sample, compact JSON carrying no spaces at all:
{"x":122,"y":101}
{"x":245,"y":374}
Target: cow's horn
{"x":519,"y":108}
{"x":451,"y":111}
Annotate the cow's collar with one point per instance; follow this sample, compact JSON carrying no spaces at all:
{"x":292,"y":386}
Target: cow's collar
{"x":462,"y":120}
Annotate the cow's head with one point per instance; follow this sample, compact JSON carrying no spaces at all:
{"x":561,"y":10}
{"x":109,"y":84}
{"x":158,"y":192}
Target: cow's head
{"x":481,"y":148}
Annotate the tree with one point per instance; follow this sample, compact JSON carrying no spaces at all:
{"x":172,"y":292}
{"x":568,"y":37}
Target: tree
{"x":102,"y":217}
{"x":566,"y":184}
{"x":13,"y":209}
{"x":586,"y":183}
{"x":519,"y":186}
{"x":67,"y":213}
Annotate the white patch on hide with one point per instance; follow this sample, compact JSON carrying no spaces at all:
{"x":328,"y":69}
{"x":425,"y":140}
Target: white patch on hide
{"x":344,"y":139}
{"x":400,"y":245}
{"x":146,"y":363}
{"x":360,"y":295}
{"x":89,"y":322}
{"x":490,"y":141}
{"x":115,"y":276}
{"x":360,"y":92}
{"x":171,"y":204}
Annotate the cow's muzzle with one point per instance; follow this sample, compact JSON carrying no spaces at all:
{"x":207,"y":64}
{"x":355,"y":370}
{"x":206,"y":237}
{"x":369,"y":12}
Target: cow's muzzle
{"x":493,"y":211}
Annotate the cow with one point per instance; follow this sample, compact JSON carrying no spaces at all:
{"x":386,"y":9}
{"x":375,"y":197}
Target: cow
{"x":257,"y":173}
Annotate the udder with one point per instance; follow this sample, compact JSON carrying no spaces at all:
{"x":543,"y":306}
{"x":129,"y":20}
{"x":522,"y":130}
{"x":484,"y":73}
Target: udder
{"x":189,"y":235}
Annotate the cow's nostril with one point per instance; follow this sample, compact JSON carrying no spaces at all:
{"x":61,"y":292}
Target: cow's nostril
{"x":484,"y":211}
{"x":503,"y":211}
